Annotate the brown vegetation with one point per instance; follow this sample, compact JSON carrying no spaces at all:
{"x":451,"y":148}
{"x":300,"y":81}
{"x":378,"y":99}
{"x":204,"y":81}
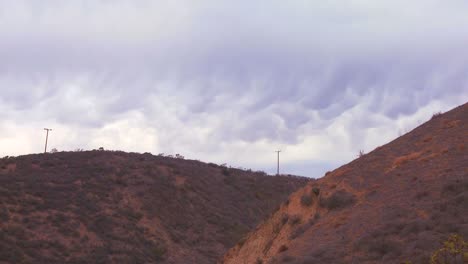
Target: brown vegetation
{"x":392,"y":205}
{"x":116,"y":207}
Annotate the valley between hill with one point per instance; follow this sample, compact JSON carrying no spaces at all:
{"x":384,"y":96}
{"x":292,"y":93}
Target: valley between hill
{"x":395,"y":204}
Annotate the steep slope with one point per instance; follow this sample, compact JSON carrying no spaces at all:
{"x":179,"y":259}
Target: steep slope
{"x":395,"y":204}
{"x":116,"y":207}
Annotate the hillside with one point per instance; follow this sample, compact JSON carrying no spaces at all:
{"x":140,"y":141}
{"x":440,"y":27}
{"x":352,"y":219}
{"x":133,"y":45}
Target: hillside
{"x":116,"y":207}
{"x":394,"y":204}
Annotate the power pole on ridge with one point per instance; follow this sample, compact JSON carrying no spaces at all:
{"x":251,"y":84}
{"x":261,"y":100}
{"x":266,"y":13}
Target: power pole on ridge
{"x":277,"y":167}
{"x":47,"y":138}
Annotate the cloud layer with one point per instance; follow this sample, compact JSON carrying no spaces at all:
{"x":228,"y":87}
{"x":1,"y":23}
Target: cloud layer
{"x":228,"y":82}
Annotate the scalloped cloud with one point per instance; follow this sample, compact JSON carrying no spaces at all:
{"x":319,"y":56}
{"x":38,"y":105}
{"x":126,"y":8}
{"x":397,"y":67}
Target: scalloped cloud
{"x":228,"y":82}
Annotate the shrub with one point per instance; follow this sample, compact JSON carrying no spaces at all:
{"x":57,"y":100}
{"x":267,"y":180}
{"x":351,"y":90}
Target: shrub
{"x":455,"y":250}
{"x":301,"y":230}
{"x":284,"y":219}
{"x":338,"y":200}
{"x":241,"y":242}
{"x":454,"y":188}
{"x":4,"y":214}
{"x":131,"y":214}
{"x":295,"y":219}
{"x":421,"y":195}
{"x":317,"y":216}
{"x":436,"y":115}
{"x":225,"y":171}
{"x":267,"y":246}
{"x":316,"y":191}
{"x":306,"y":199}
{"x":277,"y":228}
{"x":282,"y":248}
{"x":377,"y":247}
{"x":158,"y":252}
{"x":361,"y":153}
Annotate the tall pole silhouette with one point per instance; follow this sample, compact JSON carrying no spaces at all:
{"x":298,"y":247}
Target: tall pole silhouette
{"x":277,"y":166}
{"x":46,"y":139}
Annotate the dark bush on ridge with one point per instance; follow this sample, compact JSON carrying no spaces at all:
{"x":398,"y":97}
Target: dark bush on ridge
{"x":338,"y":200}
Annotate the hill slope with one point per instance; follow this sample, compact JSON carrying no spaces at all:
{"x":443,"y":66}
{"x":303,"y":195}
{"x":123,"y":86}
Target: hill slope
{"x":115,"y":207}
{"x":395,"y":204}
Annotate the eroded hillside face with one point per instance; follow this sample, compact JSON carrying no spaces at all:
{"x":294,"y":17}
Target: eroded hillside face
{"x":395,"y":204}
{"x":115,"y":207}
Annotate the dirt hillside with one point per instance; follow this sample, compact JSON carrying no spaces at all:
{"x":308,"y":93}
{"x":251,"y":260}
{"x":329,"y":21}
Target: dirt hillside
{"x":116,"y":207}
{"x":392,"y":205}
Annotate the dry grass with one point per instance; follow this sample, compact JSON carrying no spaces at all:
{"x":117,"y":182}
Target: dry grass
{"x":393,"y":206}
{"x":102,"y":207}
{"x":402,"y":160}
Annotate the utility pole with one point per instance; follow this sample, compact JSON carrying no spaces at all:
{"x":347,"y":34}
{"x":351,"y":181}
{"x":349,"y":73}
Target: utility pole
{"x":277,"y":167}
{"x":47,"y":138}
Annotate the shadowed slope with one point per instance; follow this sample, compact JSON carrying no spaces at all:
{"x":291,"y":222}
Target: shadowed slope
{"x":392,"y":205}
{"x":103,"y":207}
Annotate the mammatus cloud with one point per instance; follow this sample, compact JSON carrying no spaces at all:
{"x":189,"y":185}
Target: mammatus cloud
{"x":228,"y":82}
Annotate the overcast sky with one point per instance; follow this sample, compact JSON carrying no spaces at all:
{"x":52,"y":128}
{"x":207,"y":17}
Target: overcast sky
{"x":228,"y":81}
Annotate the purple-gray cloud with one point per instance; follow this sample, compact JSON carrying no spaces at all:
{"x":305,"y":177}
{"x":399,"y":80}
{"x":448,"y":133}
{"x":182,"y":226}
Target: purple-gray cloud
{"x":228,"y":81}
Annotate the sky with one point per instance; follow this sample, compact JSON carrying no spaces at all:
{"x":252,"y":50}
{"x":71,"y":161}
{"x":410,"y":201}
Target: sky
{"x":228,"y":81}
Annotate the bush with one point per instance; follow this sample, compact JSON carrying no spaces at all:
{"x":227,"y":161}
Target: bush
{"x":131,"y":214}
{"x":225,"y":171}
{"x":338,"y":200}
{"x":454,"y":188}
{"x":295,"y":219}
{"x":455,"y":250}
{"x":316,"y":191}
{"x":316,"y":216}
{"x":377,"y":247}
{"x":158,"y":252}
{"x":301,"y":229}
{"x":282,"y":248}
{"x":4,"y":214}
{"x":436,"y":115}
{"x":284,"y":219}
{"x":306,"y":199}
